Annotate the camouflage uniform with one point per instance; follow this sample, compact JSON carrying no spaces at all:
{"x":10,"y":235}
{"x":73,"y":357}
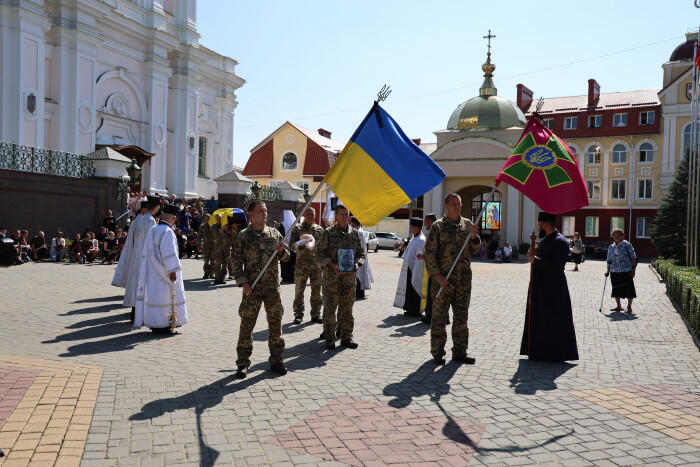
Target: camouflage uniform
{"x":250,"y":253}
{"x":207,"y":241}
{"x":338,"y":289}
{"x":444,"y":241}
{"x":222,"y":255}
{"x":305,"y":269}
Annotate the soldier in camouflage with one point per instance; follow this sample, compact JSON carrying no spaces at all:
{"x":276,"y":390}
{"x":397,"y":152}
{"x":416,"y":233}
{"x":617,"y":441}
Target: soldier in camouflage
{"x":338,"y":287}
{"x":222,"y":251}
{"x":205,"y":240}
{"x":251,"y":250}
{"x":306,"y":268}
{"x":445,"y":239}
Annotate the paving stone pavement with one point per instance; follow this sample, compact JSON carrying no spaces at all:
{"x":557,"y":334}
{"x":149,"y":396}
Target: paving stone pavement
{"x":630,"y":400}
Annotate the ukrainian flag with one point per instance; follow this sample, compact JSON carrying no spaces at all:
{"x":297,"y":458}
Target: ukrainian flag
{"x":381,"y":169}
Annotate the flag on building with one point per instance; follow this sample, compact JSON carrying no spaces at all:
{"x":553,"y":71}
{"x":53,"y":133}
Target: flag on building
{"x":545,"y":170}
{"x":381,"y":169}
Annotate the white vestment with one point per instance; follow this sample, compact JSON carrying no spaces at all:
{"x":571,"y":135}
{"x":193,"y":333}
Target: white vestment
{"x":153,"y":300}
{"x":415,"y":247}
{"x":127,"y":273}
{"x":364,"y":272}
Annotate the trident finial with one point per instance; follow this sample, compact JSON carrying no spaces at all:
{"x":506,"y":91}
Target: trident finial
{"x":383,"y":93}
{"x":489,"y":37}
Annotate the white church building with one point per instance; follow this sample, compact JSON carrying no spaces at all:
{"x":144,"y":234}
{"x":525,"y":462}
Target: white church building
{"x":78,"y":75}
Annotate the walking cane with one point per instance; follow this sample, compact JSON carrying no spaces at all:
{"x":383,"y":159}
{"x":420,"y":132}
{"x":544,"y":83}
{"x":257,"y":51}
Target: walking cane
{"x":604,"y":285}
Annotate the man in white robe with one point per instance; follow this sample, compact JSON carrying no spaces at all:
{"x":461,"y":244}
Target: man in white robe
{"x":127,"y":273}
{"x":161,"y":290}
{"x":364,"y":272}
{"x":411,"y":291}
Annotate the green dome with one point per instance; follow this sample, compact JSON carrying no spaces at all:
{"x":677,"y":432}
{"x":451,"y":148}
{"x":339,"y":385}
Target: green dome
{"x":486,"y":113}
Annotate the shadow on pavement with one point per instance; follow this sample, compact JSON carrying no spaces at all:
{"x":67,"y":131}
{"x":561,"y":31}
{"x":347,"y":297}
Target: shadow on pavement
{"x":532,"y":376}
{"x":199,"y":285}
{"x":126,"y":341}
{"x":621,"y":316}
{"x":405,"y":326}
{"x":94,"y":309}
{"x":288,"y":328}
{"x":98,"y":327}
{"x":425,"y":381}
{"x":513,"y":448}
{"x":113,"y":298}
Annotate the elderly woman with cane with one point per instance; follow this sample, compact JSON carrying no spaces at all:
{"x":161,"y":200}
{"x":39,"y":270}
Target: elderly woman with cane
{"x":622,"y":263}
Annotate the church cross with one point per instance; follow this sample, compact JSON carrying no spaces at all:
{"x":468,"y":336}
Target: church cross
{"x":489,"y":37}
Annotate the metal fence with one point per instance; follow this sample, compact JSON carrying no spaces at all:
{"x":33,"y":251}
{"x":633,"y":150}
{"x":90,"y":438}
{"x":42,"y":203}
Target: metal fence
{"x":267,"y":193}
{"x":44,"y":161}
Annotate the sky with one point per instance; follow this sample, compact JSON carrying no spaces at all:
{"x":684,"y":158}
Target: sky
{"x":320,"y":64}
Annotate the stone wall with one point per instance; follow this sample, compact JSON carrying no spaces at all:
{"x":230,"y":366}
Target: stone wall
{"x":48,"y":202}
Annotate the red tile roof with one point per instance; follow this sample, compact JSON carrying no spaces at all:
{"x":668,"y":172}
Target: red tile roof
{"x":608,"y":100}
{"x":260,"y":162}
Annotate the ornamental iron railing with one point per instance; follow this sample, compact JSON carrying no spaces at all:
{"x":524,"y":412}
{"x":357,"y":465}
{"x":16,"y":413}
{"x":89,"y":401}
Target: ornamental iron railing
{"x":44,"y":161}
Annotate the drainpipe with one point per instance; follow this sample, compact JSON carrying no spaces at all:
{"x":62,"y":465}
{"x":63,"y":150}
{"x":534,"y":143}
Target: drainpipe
{"x":633,"y":160}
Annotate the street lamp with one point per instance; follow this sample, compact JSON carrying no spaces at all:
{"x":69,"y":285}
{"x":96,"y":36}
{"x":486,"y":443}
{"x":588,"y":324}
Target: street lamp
{"x":123,"y":183}
{"x":256,"y":189}
{"x":134,"y":171}
{"x":306,"y":195}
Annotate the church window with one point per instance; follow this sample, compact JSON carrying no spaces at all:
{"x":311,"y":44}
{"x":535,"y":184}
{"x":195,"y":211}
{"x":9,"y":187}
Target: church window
{"x":645,"y":188}
{"x":620,"y":120}
{"x":644,"y":227}
{"x":646,"y":118}
{"x":592,"y":226}
{"x":595,"y":121}
{"x":619,"y":190}
{"x":568,"y":225}
{"x":594,"y":155}
{"x":289,"y":161}
{"x":646,"y":153}
{"x":570,"y":123}
{"x":617,"y":222}
{"x":593,"y":189}
{"x":491,"y":217}
{"x":619,"y":155}
{"x":202,"y":157}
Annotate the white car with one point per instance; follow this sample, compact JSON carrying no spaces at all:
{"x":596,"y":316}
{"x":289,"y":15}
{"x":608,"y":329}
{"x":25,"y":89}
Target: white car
{"x":387,"y":240}
{"x":372,"y":242}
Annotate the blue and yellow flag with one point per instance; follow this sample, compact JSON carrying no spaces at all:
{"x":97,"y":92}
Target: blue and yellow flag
{"x":381,"y":169}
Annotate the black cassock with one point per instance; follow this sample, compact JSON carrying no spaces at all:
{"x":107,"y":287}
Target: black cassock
{"x":549,"y":326}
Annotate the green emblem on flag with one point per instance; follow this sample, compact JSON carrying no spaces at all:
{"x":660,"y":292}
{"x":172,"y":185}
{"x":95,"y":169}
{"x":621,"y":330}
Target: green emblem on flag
{"x":540,"y":157}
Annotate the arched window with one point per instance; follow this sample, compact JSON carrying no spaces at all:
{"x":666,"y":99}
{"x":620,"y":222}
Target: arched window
{"x":289,"y":161}
{"x":594,"y":155}
{"x":646,"y":153}
{"x":686,"y":139}
{"x":619,"y":154}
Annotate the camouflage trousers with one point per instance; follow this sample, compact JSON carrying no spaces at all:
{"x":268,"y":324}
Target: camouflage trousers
{"x":338,"y":293}
{"x":248,"y":311}
{"x":457,"y":294}
{"x":208,"y":256}
{"x":313,"y":274}
{"x":222,"y":264}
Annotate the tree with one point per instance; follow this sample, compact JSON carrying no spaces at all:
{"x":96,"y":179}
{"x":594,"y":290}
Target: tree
{"x":668,"y":234}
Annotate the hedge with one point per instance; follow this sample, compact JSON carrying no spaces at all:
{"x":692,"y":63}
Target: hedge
{"x":683,"y":286}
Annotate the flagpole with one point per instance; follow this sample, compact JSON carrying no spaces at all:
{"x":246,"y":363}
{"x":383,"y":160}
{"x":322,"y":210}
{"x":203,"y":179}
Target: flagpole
{"x":286,"y":236}
{"x":696,"y":182}
{"x":691,"y":245}
{"x":469,"y":235}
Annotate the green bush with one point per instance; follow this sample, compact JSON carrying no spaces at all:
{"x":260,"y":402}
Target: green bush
{"x":523,"y":248}
{"x":683,"y":286}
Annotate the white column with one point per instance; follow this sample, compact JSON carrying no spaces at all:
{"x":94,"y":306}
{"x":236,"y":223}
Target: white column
{"x":437,"y":201}
{"x":529,"y":219}
{"x":156,"y":139}
{"x":605,"y":179}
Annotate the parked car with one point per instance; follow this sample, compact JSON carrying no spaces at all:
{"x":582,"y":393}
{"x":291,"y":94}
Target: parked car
{"x":387,"y":239}
{"x":597,"y":249}
{"x":372,"y":242}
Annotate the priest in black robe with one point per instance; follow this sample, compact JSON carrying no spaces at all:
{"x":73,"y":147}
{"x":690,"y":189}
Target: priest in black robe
{"x":549,"y":333}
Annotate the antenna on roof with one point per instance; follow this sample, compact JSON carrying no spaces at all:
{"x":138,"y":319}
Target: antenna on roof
{"x":383,"y":93}
{"x":540,"y":103}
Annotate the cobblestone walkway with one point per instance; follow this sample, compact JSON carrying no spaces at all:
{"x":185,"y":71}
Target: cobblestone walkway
{"x":78,"y":386}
